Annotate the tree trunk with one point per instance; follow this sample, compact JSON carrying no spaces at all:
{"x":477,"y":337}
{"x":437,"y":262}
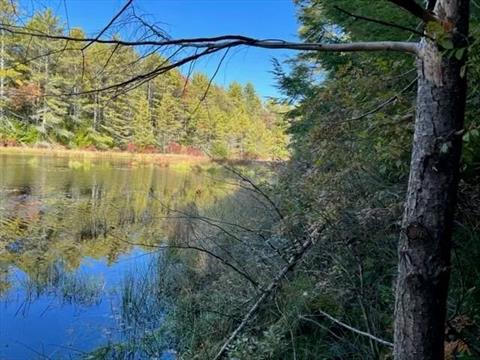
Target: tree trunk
{"x":425,"y":241}
{"x":2,"y":76}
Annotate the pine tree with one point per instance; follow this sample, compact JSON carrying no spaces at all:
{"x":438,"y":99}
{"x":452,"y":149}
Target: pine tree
{"x":51,"y":110}
{"x":169,"y":127}
{"x":142,"y":125}
{"x":10,"y":69}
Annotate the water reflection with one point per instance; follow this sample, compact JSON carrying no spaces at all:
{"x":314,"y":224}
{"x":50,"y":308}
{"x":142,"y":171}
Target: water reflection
{"x":68,"y":263}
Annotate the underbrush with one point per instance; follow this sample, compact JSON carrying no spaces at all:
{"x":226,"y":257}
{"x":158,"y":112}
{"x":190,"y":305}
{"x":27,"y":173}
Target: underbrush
{"x":346,"y":280}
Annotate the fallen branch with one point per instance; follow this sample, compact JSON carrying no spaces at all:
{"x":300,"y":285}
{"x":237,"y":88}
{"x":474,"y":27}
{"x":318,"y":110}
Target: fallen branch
{"x":266,"y":293}
{"x":199,"y":249}
{"x":348,"y":327}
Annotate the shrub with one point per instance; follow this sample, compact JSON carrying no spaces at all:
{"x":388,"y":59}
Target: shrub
{"x":219,"y":150}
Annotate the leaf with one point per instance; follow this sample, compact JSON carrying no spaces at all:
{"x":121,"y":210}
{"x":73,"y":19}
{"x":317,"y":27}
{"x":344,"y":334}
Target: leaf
{"x":445,"y":148}
{"x":459,"y":54}
{"x":446,"y":43}
{"x":435,"y":29}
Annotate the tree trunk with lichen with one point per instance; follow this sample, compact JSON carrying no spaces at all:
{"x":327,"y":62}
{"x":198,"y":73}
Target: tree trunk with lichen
{"x":425,"y":241}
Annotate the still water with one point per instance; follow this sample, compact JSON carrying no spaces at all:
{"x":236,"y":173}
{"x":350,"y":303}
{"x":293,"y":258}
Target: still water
{"x":77,"y":236}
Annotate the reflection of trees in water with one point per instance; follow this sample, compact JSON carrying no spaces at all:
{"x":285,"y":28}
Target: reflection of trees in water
{"x":202,"y":241}
{"x":65,"y":214}
{"x":66,"y":286}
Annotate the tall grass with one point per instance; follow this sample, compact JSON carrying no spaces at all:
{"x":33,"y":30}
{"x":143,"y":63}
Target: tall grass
{"x":140,"y":158}
{"x":141,"y":318}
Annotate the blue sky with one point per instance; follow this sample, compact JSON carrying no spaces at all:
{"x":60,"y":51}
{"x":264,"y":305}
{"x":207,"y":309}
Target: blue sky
{"x":193,"y":18}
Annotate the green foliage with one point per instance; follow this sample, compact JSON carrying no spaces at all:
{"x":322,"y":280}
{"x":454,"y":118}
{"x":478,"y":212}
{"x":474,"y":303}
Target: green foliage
{"x":219,"y":150}
{"x":351,"y":138}
{"x":17,"y":131}
{"x":41,"y":75}
{"x":351,"y":133}
{"x":88,"y":137}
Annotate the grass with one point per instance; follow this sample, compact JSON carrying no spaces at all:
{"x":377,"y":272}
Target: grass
{"x":142,"y":314}
{"x":158,"y":159}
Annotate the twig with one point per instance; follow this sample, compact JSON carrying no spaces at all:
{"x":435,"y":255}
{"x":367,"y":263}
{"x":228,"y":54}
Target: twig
{"x":255,"y":187}
{"x":385,"y":103}
{"x":122,"y":10}
{"x":266,"y":293}
{"x":199,"y":249}
{"x":360,"y":332}
{"x":377,"y":21}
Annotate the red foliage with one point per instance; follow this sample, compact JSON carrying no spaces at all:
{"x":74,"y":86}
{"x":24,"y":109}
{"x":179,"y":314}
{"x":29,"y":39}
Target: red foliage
{"x":175,"y":148}
{"x":25,"y":95}
{"x":131,"y":147}
{"x":150,"y":149}
{"x":8,"y":142}
{"x":192,"y":151}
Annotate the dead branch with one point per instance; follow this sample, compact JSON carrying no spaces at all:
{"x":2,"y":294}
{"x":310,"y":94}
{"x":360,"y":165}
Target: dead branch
{"x":226,"y":41}
{"x":384,"y":103}
{"x":378,"y":21}
{"x":199,"y":249}
{"x":276,"y":282}
{"x":255,"y":187}
{"x":356,"y":331}
{"x":110,"y":23}
{"x":416,"y":10}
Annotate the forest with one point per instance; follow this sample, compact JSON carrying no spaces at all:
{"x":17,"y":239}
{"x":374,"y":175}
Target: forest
{"x":361,"y":242}
{"x":48,"y":97}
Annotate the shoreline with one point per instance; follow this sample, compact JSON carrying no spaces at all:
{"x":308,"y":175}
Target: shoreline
{"x":154,"y":158}
{"x":146,"y":158}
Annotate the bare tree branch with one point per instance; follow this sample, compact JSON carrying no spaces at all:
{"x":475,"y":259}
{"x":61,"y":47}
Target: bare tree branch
{"x":384,"y":103}
{"x":256,"y":188}
{"x":381,"y":22}
{"x":112,"y":20}
{"x":292,"y":263}
{"x":416,"y":10}
{"x":217,"y":69}
{"x":199,"y":249}
{"x":203,"y":46}
{"x":348,"y":327}
{"x":228,"y":41}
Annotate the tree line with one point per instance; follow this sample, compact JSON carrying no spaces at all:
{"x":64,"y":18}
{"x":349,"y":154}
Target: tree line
{"x":47,"y":96}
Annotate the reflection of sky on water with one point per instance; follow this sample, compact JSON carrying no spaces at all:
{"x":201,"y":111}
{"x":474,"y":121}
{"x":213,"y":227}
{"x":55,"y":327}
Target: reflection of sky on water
{"x":72,"y":216}
{"x":49,"y":328}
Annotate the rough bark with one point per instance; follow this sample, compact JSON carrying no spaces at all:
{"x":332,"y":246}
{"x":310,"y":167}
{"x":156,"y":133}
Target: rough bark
{"x":425,"y":241}
{"x":2,"y":75}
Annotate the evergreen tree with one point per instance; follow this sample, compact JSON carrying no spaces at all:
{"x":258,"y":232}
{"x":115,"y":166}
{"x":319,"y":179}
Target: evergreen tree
{"x":142,"y":125}
{"x":51,"y":110}
{"x":55,"y":95}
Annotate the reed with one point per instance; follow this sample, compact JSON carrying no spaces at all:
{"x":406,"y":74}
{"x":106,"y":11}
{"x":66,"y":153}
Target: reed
{"x":143,"y":158}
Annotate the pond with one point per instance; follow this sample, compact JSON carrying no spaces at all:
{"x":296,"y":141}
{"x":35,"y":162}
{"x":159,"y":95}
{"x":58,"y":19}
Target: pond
{"x":77,"y":236}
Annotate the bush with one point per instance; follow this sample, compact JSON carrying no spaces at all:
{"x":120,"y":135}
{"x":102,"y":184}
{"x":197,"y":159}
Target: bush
{"x":89,"y":139}
{"x":219,"y":150}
